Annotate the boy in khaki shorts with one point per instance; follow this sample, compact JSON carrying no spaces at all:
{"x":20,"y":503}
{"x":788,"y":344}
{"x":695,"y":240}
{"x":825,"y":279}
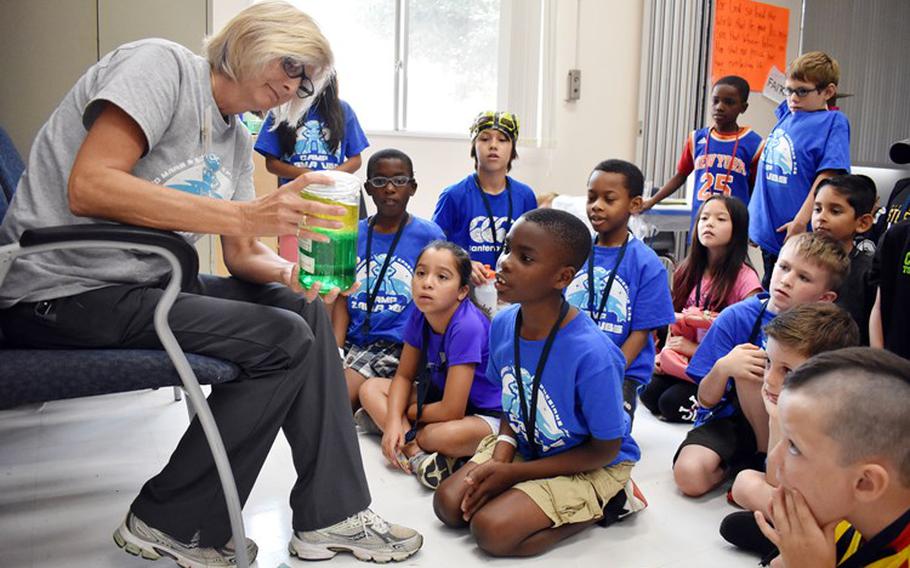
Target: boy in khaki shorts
{"x":563,"y":457}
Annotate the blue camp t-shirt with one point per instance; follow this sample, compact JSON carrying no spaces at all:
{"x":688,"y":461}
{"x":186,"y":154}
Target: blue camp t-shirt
{"x":465,"y":341}
{"x":580,"y":393}
{"x":311,"y":150}
{"x":461,"y":214}
{"x":393,"y":304}
{"x":710,"y":154}
{"x":639,"y":298}
{"x":732,"y":327}
{"x":801,"y":145}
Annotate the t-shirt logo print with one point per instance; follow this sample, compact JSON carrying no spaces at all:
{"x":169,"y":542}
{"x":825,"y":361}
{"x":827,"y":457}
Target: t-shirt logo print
{"x":395,"y":290}
{"x":779,"y":154}
{"x":201,"y":176}
{"x":549,"y":430}
{"x":479,"y":229}
{"x":616,"y":312}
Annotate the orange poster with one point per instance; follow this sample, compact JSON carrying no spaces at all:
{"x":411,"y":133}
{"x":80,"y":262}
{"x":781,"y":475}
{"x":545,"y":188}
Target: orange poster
{"x":749,"y":38}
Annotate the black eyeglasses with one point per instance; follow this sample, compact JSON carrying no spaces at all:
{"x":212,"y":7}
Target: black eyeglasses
{"x":297,"y":70}
{"x":379,"y":182}
{"x":801,"y":91}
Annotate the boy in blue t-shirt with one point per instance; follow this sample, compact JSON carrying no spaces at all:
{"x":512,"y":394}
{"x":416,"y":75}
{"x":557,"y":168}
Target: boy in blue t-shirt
{"x":370,"y":323}
{"x":731,"y":424}
{"x":564,"y":453}
{"x":808,"y":144}
{"x":477,"y":212}
{"x":631,"y":291}
{"x":724,"y":156}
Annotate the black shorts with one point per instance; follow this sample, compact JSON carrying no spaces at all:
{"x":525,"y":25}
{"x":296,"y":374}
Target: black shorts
{"x":731,"y":438}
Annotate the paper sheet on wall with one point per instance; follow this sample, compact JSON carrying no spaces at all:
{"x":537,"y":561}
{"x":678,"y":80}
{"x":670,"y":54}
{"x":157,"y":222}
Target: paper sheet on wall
{"x":774,"y":86}
{"x":749,"y":38}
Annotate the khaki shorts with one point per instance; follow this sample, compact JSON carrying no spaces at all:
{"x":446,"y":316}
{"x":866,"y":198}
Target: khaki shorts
{"x":567,"y":498}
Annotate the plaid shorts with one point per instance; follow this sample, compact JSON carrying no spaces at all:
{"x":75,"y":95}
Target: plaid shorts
{"x":378,"y":359}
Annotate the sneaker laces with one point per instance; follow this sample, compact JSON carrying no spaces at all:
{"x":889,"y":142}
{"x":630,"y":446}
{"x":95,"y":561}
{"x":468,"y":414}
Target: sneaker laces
{"x":368,"y":518}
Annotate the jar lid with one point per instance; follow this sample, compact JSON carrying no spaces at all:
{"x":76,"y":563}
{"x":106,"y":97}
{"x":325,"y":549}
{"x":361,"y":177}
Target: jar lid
{"x":345,"y":187}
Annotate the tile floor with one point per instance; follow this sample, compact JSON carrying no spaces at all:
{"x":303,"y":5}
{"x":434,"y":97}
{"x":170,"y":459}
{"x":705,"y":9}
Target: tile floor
{"x":69,"y":470}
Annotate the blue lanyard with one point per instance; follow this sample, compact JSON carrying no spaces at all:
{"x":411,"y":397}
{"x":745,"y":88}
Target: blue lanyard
{"x":591,"y":286}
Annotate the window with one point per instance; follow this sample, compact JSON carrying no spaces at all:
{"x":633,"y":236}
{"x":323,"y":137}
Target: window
{"x":429,"y":66}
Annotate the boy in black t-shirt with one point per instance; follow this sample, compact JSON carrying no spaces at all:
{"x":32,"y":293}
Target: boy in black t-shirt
{"x":843,"y":209}
{"x":888,"y":326}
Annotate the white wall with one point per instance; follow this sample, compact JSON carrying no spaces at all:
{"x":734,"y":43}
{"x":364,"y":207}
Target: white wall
{"x":602,"y":124}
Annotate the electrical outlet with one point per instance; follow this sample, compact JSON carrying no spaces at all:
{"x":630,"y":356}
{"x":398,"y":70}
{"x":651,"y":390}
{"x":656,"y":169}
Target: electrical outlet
{"x":574,"y":85}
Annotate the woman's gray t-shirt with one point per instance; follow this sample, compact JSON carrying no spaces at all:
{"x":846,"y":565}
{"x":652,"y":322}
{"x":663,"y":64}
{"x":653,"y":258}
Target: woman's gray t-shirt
{"x":167,"y":90}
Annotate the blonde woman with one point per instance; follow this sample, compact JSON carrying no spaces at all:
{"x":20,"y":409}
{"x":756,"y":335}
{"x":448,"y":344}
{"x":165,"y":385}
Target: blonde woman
{"x":149,"y":136}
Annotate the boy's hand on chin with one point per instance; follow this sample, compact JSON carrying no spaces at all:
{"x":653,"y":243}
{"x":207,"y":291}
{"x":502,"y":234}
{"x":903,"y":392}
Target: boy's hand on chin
{"x":796,"y":533}
{"x":485,"y":482}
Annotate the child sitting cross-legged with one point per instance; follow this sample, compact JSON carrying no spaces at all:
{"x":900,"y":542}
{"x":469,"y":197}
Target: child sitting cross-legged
{"x":792,"y":337}
{"x":564,"y":451}
{"x":731,"y":425}
{"x":453,"y":406}
{"x":369,"y":325}
{"x":844,"y":463}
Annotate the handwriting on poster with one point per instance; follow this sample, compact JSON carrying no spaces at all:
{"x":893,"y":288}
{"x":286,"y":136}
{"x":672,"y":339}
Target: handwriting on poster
{"x":749,"y":38}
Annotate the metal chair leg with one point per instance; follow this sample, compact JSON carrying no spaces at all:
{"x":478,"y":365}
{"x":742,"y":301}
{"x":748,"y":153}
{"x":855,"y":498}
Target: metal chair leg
{"x":178,"y":394}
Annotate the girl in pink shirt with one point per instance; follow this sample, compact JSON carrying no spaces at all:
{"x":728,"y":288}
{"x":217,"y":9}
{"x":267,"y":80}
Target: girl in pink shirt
{"x":715,"y":274}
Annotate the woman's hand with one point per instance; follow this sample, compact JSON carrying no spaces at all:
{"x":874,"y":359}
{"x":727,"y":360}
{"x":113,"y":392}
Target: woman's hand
{"x":285,"y":212}
{"x":290,"y":277}
{"x":485,"y":482}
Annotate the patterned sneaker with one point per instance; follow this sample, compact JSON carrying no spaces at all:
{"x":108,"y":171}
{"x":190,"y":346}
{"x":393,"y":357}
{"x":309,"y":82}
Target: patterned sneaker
{"x":627,"y":502}
{"x":366,"y":535}
{"x":432,"y":469}
{"x":139,"y":539}
{"x":365,"y":422}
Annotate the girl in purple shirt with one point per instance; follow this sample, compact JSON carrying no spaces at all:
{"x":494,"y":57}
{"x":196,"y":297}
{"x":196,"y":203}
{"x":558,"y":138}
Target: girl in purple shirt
{"x":440,"y":404}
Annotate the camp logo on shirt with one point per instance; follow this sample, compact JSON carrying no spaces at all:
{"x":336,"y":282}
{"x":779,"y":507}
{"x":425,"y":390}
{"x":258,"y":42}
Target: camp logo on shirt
{"x":549,"y":431}
{"x":311,"y":150}
{"x":395,"y":290}
{"x":617,"y":311}
{"x":202,"y":175}
{"x":907,"y":263}
{"x":779,"y":157}
{"x":479,"y":231}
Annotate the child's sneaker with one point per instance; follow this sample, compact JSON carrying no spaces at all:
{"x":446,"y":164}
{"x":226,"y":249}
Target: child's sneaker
{"x":433,"y":469}
{"x":139,"y":539}
{"x":628,"y":501}
{"x":366,"y":535}
{"x":365,"y":422}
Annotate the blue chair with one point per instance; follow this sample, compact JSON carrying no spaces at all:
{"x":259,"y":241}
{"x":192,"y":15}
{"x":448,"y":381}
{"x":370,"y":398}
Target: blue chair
{"x":39,"y":375}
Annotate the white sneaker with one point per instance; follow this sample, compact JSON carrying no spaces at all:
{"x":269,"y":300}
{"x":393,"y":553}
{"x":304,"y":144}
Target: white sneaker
{"x":365,"y":422}
{"x":139,"y":539}
{"x":366,"y":535}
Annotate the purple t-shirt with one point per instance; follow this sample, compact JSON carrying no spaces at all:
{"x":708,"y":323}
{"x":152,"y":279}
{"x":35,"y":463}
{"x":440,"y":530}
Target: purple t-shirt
{"x":465,"y":341}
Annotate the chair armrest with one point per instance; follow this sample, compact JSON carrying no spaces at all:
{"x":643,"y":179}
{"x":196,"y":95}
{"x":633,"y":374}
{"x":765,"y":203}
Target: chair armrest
{"x":177,"y":245}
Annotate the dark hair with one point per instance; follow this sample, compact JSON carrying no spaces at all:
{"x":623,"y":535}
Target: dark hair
{"x":462,"y":265}
{"x":865,"y":393}
{"x":859,"y":190}
{"x":814,"y":328}
{"x":328,"y":105}
{"x":635,"y":180}
{"x":724,"y":276}
{"x":389,"y":154}
{"x":569,"y":232}
{"x":738,"y":83}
